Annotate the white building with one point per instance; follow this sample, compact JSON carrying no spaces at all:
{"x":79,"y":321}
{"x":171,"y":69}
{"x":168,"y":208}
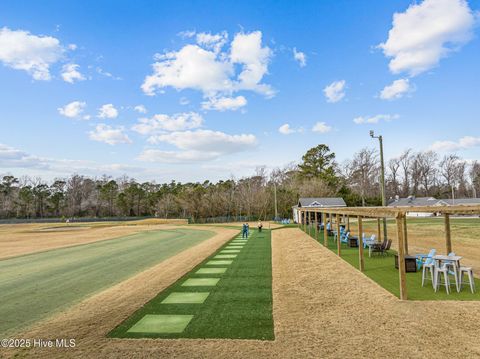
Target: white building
{"x":316,"y":202}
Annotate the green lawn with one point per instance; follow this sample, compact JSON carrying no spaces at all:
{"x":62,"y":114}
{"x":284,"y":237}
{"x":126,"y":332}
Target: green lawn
{"x":37,"y":285}
{"x":382,"y":270}
{"x":237,"y":306}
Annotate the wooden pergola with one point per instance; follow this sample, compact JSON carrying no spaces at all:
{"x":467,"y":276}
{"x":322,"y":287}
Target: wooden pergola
{"x":397,"y":213}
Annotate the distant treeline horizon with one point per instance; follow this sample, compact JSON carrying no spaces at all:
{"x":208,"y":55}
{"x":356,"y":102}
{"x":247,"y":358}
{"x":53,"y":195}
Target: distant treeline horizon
{"x":357,"y":181}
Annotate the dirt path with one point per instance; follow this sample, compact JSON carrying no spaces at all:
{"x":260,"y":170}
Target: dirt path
{"x":323,"y":308}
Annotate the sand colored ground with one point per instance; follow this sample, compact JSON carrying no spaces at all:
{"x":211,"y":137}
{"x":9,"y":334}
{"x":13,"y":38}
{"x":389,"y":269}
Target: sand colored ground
{"x":323,"y":308}
{"x":18,"y":239}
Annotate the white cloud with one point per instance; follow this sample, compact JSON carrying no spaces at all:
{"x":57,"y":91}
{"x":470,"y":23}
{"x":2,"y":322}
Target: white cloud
{"x":107,"y":111}
{"x":321,"y":127}
{"x":462,"y":144}
{"x":374,"y":119}
{"x":224,"y":103}
{"x":71,"y":74}
{"x":109,"y":134}
{"x":21,"y":50}
{"x":335,"y":91}
{"x":285,"y":129}
{"x":160,"y":123}
{"x":204,"y":67}
{"x":214,"y":42}
{"x":396,"y":90}
{"x":198,"y":145}
{"x":300,"y":57}
{"x":427,"y":32}
{"x":207,"y":140}
{"x":184,"y":101}
{"x":153,"y":155}
{"x":140,"y":109}
{"x":73,"y":109}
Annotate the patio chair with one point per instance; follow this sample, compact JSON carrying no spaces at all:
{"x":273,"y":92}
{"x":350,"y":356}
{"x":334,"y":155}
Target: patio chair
{"x":378,"y":247}
{"x":469,"y":272}
{"x":421,"y":258}
{"x":428,"y":266}
{"x":439,"y":270}
{"x":368,"y":241}
{"x":345,"y":237}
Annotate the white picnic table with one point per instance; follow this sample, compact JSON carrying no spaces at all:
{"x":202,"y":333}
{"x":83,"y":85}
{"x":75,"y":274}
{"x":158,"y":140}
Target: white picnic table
{"x":456,"y":265}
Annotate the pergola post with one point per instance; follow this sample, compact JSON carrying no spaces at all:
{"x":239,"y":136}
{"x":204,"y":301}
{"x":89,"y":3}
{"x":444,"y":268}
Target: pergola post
{"x":325,"y":232}
{"x":305,"y":221}
{"x":361,"y":260}
{"x":379,"y":230}
{"x":339,"y":242}
{"x":348,"y":223}
{"x":401,"y":257}
{"x":316,"y":225}
{"x":405,"y":234}
{"x":448,"y":235}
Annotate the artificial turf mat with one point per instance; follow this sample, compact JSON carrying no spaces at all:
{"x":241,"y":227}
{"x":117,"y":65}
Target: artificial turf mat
{"x":225,"y":256}
{"x":211,"y":271}
{"x":382,"y":270}
{"x":218,"y":262}
{"x":186,"y":298}
{"x":162,"y":323}
{"x":200,"y":282}
{"x":238,"y":307}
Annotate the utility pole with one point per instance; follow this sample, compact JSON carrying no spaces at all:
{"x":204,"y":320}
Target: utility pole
{"x":382,"y":179}
{"x":275,"y":196}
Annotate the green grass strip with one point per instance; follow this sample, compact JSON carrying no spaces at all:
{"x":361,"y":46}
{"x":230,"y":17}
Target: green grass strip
{"x":239,"y":306}
{"x":382,"y":270}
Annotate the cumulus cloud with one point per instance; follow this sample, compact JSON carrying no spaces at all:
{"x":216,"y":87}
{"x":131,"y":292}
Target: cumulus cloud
{"x":71,"y":74}
{"x":427,"y":32}
{"x":374,"y":119}
{"x":451,"y":146}
{"x":300,"y":57}
{"x":224,"y":103}
{"x":335,"y":91}
{"x":207,"y":67}
{"x":198,"y":145}
{"x":107,"y":111}
{"x":321,"y":127}
{"x":73,"y":109}
{"x":285,"y":129}
{"x":160,"y":123}
{"x":140,"y":109}
{"x":21,"y":50}
{"x":396,"y":90}
{"x":108,"y":134}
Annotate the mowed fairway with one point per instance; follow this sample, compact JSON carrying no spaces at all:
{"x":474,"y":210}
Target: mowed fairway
{"x":35,"y":286}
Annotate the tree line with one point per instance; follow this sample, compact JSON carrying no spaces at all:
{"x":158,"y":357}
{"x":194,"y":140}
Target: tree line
{"x":318,"y":174}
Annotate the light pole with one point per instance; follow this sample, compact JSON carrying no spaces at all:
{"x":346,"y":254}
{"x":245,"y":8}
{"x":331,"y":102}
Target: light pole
{"x":382,"y":179}
{"x":275,"y":197}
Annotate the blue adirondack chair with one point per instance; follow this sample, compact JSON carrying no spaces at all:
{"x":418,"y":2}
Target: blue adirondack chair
{"x":423,"y":258}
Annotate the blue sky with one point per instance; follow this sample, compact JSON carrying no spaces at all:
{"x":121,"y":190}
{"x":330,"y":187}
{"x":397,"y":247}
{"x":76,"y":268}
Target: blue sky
{"x":236,"y":84}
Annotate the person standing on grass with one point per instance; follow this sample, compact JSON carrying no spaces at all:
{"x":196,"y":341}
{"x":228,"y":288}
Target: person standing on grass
{"x":260,"y":226}
{"x":244,"y":230}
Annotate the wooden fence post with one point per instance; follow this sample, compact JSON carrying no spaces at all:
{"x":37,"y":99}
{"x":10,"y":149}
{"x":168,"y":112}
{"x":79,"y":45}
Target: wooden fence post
{"x":360,"y":245}
{"x":401,"y":257}
{"x":405,"y":234}
{"x":448,"y":235}
{"x":339,"y":242}
{"x":325,"y":232}
{"x":316,"y":226}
